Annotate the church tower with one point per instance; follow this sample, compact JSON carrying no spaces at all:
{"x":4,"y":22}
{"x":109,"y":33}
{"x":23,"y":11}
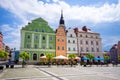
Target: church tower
{"x":61,"y":38}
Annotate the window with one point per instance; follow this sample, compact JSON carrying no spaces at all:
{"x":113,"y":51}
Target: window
{"x":58,"y":48}
{"x":36,"y":37}
{"x":97,"y":49}
{"x":63,"y":48}
{"x":34,"y":56}
{"x":91,"y":36}
{"x":81,"y":42}
{"x":43,"y":30}
{"x":50,"y":47}
{"x":86,"y":42}
{"x":87,"y":49}
{"x":96,"y":37}
{"x":73,"y":49}
{"x":36,"y":30}
{"x":68,"y":41}
{"x":81,"y":35}
{"x":70,"y":35}
{"x":81,"y":48}
{"x":50,"y":37}
{"x":58,"y":40}
{"x":92,"y":49}
{"x":62,"y":40}
{"x":86,"y":36}
{"x":28,"y":45}
{"x":28,"y":36}
{"x":43,"y":37}
{"x":69,"y":49}
{"x":43,"y":46}
{"x":96,"y":42}
{"x":73,"y":41}
{"x":91,"y":42}
{"x":36,"y":46}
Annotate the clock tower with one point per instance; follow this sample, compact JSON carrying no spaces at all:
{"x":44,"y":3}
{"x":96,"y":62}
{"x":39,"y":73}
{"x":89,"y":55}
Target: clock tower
{"x":61,"y":38}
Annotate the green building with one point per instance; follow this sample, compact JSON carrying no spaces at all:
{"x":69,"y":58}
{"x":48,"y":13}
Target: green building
{"x":37,"y":38}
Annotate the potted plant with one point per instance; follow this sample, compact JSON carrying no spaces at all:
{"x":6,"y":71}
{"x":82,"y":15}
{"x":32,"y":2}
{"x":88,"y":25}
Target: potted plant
{"x":3,"y":57}
{"x":106,"y":58}
{"x":71,"y":56}
{"x":91,"y":57}
{"x":24,"y":56}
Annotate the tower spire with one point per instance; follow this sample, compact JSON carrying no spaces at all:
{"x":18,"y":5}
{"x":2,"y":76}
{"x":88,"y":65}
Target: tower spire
{"x":61,"y":18}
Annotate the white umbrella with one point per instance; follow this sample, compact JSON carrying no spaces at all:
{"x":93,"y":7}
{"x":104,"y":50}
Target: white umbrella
{"x":42,"y":57}
{"x":61,"y":57}
{"x":78,"y":58}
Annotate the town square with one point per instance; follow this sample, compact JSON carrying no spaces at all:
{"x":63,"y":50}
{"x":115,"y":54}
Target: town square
{"x":59,"y":40}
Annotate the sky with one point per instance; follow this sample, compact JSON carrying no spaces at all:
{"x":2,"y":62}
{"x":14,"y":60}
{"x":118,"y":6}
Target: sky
{"x":101,"y":16}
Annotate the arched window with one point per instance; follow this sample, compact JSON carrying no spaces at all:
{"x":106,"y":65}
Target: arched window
{"x":34,"y":56}
{"x":41,"y":54}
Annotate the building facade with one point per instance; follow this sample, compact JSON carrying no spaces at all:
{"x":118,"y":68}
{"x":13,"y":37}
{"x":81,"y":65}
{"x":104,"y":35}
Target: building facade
{"x":71,"y":42}
{"x":37,"y":38}
{"x":1,"y":41}
{"x":61,"y":38}
{"x":88,"y":42}
{"x":115,"y":52}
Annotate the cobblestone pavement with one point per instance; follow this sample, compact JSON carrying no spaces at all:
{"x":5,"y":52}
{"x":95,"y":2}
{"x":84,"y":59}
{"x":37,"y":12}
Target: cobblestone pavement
{"x":61,"y":73}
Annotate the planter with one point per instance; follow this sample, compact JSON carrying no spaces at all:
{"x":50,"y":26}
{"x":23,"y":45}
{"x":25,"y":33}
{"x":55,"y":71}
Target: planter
{"x":1,"y":67}
{"x":11,"y":66}
{"x":7,"y":66}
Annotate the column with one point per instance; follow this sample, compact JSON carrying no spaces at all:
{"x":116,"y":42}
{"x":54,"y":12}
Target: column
{"x":32,"y":45}
{"x":47,"y":42}
{"x":40,"y":41}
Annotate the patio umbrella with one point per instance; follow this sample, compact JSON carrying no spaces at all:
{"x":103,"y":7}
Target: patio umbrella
{"x":43,"y":57}
{"x":85,"y":58}
{"x":96,"y":58}
{"x":78,"y":58}
{"x":61,"y":57}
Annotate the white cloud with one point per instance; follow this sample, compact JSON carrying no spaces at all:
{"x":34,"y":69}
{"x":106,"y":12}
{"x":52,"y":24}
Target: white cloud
{"x":11,"y":35}
{"x":29,"y":9}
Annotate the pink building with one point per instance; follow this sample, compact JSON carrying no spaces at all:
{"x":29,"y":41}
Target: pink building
{"x":118,"y":48}
{"x":1,"y":41}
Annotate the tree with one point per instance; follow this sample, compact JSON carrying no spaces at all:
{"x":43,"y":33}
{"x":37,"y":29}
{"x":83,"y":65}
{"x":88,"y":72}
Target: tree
{"x":91,"y":57}
{"x":118,"y":57}
{"x":49,"y":57}
{"x":25,"y":56}
{"x":106,"y":58}
{"x":71,"y":56}
{"x":3,"y":55}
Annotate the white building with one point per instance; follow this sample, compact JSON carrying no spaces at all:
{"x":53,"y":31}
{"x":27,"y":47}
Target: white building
{"x":71,"y":42}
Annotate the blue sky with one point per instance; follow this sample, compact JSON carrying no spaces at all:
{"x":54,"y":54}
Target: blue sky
{"x":101,"y":16}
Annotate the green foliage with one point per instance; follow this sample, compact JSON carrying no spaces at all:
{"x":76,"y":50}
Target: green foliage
{"x":24,"y":55}
{"x":119,"y":57}
{"x":72,"y":56}
{"x":49,"y":56}
{"x":90,"y":56}
{"x":3,"y":54}
{"x":106,"y":57}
